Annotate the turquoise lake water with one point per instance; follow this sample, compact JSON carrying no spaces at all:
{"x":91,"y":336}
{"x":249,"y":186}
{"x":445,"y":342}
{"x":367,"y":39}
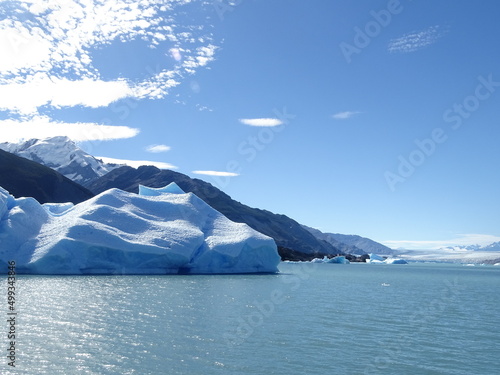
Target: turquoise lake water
{"x":309,"y":319}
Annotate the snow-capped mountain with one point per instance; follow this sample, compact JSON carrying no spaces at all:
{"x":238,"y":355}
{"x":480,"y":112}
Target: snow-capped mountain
{"x":461,"y":248}
{"x":62,"y":155}
{"x":495,"y":246}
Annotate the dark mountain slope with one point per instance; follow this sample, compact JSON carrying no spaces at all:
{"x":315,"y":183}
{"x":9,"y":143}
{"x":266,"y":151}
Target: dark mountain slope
{"x":346,"y":248}
{"x":25,"y":178}
{"x":350,"y":242}
{"x":289,"y":235}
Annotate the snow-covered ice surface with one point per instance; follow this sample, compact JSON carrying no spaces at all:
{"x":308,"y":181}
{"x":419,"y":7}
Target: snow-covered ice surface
{"x":159,"y":231}
{"x":377,"y":259}
{"x":340,"y":259}
{"x":451,"y":255}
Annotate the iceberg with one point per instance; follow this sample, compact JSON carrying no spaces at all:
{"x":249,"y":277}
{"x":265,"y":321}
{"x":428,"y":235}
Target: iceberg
{"x":340,"y":259}
{"x":377,"y":259}
{"x":395,"y":261}
{"x":158,"y":231}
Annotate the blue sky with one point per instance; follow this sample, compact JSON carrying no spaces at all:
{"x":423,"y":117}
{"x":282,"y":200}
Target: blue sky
{"x":377,"y":118}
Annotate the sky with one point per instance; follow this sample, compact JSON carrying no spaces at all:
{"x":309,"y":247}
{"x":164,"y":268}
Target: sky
{"x":376,"y":118}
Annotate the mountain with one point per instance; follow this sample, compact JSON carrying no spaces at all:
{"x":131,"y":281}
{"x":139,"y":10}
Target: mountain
{"x":495,"y":246}
{"x":461,"y":248}
{"x":351,"y":244}
{"x":294,"y":242}
{"x":25,"y":178}
{"x":62,"y":155}
{"x":328,"y":237}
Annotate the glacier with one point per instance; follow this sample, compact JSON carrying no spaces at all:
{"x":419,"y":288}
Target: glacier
{"x":158,"y":231}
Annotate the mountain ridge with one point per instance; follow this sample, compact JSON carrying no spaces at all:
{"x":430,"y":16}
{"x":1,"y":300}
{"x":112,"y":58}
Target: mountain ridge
{"x":26,"y":178}
{"x":494,"y":246}
{"x":352,"y":243}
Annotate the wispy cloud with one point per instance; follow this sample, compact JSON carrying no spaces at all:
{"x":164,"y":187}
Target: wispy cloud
{"x":42,"y":127}
{"x":216,"y":173}
{"x":137,"y":163}
{"x":48,"y":52}
{"x":459,"y":240}
{"x":261,"y":121}
{"x":202,"y":108}
{"x":345,"y":115}
{"x":157,"y":148}
{"x":417,"y":39}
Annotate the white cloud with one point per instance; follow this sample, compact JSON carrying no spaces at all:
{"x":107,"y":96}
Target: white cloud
{"x":22,"y":48}
{"x":46,"y":49}
{"x":202,"y":57}
{"x":157,"y":148}
{"x":202,"y":108}
{"x":344,"y":115}
{"x":460,"y":240}
{"x":137,"y":163}
{"x":216,"y":173}
{"x":417,"y":39}
{"x":42,"y":90}
{"x":43,"y":127}
{"x":261,"y":121}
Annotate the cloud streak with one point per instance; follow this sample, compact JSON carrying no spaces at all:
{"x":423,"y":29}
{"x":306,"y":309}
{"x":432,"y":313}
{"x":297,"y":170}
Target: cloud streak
{"x":216,"y":173}
{"x":416,"y":40}
{"x":261,"y":121}
{"x":345,"y":115}
{"x":42,"y":127}
{"x":29,"y":96}
{"x":157,"y":148}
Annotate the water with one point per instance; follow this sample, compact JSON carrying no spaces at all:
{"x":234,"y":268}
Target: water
{"x":310,"y":319}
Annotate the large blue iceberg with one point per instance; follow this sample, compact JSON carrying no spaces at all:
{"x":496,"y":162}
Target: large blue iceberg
{"x":158,"y":231}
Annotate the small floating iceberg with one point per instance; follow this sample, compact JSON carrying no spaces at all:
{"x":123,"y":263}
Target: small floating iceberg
{"x":395,"y":261}
{"x":374,"y":258}
{"x":377,"y":259}
{"x":339,"y":259}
